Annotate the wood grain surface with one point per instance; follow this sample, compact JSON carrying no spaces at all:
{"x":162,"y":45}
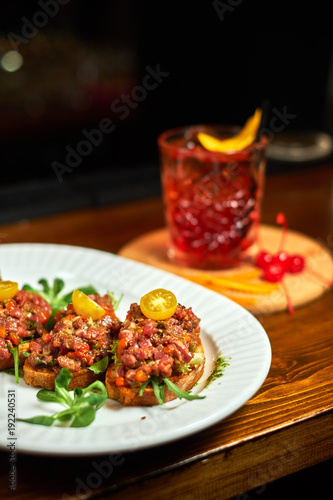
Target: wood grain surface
{"x":288,"y":424}
{"x":303,"y":287}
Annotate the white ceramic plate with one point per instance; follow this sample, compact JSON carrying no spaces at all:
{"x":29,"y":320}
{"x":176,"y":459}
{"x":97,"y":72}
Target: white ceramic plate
{"x":226,"y":328}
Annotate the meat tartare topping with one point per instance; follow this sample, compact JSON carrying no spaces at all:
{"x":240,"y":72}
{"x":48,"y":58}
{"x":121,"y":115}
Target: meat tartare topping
{"x":21,"y":318}
{"x":76,"y":342}
{"x":150,"y":347}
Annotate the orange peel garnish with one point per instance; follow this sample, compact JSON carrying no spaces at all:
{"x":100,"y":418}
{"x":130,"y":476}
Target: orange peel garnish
{"x":246,"y":276}
{"x":226,"y":282}
{"x":238,"y":142}
{"x":243,"y":301}
{"x":238,"y":287}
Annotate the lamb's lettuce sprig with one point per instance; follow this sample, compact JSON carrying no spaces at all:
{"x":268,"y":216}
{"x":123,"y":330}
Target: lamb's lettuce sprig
{"x":159,"y":389}
{"x":82,"y":403}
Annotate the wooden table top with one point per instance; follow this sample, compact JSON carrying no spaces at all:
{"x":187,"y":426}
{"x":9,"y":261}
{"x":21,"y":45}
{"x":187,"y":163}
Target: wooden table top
{"x":288,"y":424}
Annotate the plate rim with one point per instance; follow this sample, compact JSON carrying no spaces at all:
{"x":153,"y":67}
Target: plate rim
{"x":196,"y":426}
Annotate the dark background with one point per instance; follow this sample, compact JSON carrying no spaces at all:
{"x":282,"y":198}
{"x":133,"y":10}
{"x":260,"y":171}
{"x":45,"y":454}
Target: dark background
{"x":222,"y":60}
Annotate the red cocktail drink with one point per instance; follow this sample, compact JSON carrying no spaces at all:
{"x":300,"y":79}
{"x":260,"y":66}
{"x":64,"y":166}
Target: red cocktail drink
{"x":212,"y":200}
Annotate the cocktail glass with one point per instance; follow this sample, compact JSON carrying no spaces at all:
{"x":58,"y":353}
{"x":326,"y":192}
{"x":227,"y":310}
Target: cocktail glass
{"x":212,"y":199}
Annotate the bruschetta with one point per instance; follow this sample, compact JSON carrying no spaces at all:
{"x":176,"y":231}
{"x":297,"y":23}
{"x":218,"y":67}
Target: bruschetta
{"x":22,"y":318}
{"x":149,"y":349}
{"x":76,"y":342}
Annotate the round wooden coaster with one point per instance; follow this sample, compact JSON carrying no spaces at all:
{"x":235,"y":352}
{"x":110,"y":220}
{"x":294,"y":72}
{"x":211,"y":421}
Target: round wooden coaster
{"x":302,"y":288}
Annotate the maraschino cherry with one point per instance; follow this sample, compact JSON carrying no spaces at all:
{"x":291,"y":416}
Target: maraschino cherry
{"x":275,"y":266}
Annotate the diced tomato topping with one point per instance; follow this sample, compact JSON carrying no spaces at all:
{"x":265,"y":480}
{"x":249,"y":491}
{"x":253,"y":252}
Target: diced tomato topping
{"x":10,"y":305}
{"x":69,"y":317}
{"x":141,"y":376}
{"x":44,"y":316}
{"x":90,"y":359}
{"x":79,"y":354}
{"x":120,"y":382}
{"x":121,"y":346}
{"x":2,"y":332}
{"x":46,"y":338}
{"x":84,"y":348}
{"x":56,"y":343}
{"x":169,"y":349}
{"x":13,"y":338}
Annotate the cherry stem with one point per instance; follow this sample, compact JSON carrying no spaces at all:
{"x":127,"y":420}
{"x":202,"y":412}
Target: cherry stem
{"x":289,"y":303}
{"x":319,"y":276}
{"x":281,"y":219}
{"x":256,"y":225}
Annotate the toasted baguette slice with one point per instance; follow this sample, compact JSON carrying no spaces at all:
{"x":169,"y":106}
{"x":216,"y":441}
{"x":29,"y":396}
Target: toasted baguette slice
{"x":45,"y":377}
{"x":9,"y":362}
{"x":129,"y":396}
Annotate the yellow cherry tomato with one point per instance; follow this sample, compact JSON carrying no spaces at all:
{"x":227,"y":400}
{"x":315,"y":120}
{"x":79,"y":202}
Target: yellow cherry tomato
{"x":85,"y":306}
{"x":8,"y":289}
{"x":158,"y":304}
{"x":237,"y":143}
